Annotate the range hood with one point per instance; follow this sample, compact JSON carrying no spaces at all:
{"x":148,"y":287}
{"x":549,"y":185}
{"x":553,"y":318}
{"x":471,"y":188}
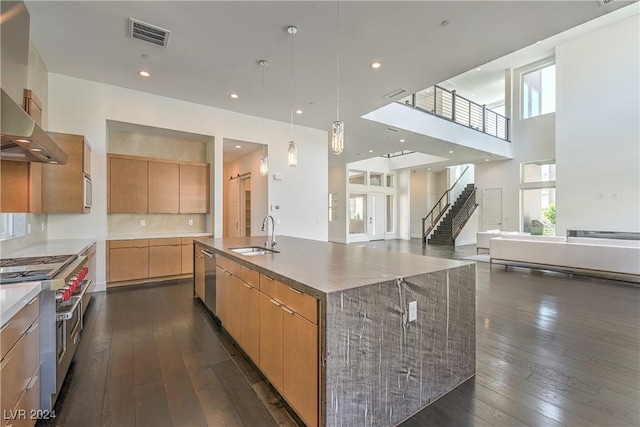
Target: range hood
{"x":22,"y":138}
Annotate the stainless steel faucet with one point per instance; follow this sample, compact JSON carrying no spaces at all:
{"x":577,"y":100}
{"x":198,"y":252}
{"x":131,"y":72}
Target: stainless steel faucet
{"x":265,"y":224}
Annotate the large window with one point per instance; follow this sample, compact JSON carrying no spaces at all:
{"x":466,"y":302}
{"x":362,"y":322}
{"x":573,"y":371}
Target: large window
{"x":357,"y":177}
{"x":357,"y":203}
{"x":538,"y":197}
{"x":539,"y":91}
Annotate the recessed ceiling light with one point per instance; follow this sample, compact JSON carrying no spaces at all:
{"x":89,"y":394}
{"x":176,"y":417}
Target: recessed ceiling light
{"x":238,"y":146}
{"x":402,"y":140}
{"x":376,"y":65}
{"x":478,"y":69}
{"x":144,"y":73}
{"x":234,"y":95}
{"x":428,"y":169}
{"x":486,"y":160}
{"x":24,"y":141}
{"x":298,"y":111}
{"x":371,"y":151}
{"x":35,"y":149}
{"x":450,"y":151}
{"x":538,"y":42}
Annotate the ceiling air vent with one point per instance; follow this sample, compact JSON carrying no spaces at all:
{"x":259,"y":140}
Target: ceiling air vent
{"x":391,"y":130}
{"x":604,"y":2}
{"x":148,"y":33}
{"x":395,"y":93}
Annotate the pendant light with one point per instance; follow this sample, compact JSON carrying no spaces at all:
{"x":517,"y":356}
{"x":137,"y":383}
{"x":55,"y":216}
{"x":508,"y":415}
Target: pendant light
{"x":264,"y":160}
{"x":292,"y":152}
{"x":337,"y":129}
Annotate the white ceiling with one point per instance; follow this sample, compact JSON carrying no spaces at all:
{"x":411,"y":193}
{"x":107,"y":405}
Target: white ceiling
{"x":215,"y":45}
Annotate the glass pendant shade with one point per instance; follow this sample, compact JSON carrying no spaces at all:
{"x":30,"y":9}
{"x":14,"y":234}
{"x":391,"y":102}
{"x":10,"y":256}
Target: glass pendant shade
{"x":292,"y":156}
{"x":337,"y":137}
{"x":264,"y":165}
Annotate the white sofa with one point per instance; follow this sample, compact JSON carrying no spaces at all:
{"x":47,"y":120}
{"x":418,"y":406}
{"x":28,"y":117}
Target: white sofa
{"x":609,"y":256}
{"x":482,"y":237}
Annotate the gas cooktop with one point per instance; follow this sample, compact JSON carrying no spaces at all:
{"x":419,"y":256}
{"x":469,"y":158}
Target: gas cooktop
{"x":27,"y":269}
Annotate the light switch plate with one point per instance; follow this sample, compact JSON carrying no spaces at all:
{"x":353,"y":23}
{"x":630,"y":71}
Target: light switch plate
{"x":190,"y":222}
{"x":413,"y":311}
{"x":143,"y":223}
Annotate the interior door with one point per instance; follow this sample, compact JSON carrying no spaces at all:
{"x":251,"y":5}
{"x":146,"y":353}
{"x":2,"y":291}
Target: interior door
{"x":234,"y":207}
{"x":376,"y":216}
{"x":492,"y":209}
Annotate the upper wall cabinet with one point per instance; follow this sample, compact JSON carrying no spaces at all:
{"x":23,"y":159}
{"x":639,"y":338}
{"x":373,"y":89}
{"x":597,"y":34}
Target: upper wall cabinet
{"x":144,"y":185}
{"x":127,"y":189}
{"x":194,"y":188}
{"x":67,"y":188}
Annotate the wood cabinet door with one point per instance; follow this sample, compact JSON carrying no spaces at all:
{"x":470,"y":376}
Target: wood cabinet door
{"x":86,"y":160}
{"x":187,"y":259}
{"x":163,"y":193}
{"x":271,"y":340}
{"x":194,"y":189}
{"x":15,"y":186}
{"x":128,"y":263}
{"x":63,"y":185}
{"x":198,"y":276}
{"x":223,"y":279}
{"x":165,"y":260}
{"x":300,"y":366}
{"x":127,"y":191}
{"x":249,"y":306}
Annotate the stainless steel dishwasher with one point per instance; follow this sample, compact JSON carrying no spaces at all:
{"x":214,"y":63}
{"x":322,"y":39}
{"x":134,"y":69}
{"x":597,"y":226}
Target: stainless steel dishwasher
{"x":204,"y":277}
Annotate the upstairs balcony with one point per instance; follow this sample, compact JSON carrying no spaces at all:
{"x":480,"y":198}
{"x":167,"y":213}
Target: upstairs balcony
{"x":449,"y":105}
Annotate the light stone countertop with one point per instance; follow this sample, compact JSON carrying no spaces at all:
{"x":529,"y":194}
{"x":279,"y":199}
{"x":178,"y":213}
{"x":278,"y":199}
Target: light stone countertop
{"x":14,"y":297}
{"x":320,"y":268}
{"x":155,"y":236}
{"x":52,"y":247}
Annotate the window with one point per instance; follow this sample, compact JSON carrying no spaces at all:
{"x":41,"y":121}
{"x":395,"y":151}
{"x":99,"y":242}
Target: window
{"x":12,"y":226}
{"x":357,"y":203}
{"x":375,"y":179}
{"x":357,"y":177}
{"x":389,"y":214}
{"x":390,"y":181}
{"x":539,"y":91}
{"x":538,"y":198}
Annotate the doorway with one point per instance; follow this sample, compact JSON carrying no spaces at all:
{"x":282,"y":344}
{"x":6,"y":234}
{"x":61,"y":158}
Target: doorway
{"x":376,"y":216}
{"x":492,"y":209}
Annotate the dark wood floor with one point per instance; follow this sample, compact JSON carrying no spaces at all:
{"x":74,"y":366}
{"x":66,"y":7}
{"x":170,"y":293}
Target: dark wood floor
{"x":551,"y":350}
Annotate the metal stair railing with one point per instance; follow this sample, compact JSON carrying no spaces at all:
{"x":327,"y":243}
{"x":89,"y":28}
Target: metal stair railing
{"x":440,"y":208}
{"x":463,"y":216}
{"x":458,"y":109}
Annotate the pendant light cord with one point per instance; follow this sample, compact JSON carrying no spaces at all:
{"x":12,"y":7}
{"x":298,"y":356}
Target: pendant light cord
{"x":292,"y":33}
{"x":263,"y":103}
{"x":337,"y":60}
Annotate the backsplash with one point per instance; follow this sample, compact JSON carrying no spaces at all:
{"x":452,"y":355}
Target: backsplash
{"x":37,"y":235}
{"x":118,"y":224}
{"x":137,"y":144}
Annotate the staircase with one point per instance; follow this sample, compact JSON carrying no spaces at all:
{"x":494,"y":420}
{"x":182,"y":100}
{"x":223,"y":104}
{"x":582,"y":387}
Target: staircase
{"x":455,"y":219}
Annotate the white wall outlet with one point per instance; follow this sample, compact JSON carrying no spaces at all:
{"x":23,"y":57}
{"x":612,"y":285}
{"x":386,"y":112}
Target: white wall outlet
{"x":28,"y":228}
{"x":413,"y":311}
{"x":143,"y":223}
{"x":190,"y":222}
{"x":42,"y":226}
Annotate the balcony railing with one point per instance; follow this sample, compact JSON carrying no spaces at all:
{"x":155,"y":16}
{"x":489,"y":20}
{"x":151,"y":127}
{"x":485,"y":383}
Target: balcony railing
{"x":451,"y":106}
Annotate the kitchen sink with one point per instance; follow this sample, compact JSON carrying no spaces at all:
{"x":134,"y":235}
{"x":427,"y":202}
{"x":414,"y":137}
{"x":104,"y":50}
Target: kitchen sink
{"x":253,"y":251}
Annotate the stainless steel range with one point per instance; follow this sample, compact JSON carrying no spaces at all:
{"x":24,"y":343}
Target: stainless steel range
{"x":63,"y":300}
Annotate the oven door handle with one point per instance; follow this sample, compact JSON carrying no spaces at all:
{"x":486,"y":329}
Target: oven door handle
{"x":67,"y":314}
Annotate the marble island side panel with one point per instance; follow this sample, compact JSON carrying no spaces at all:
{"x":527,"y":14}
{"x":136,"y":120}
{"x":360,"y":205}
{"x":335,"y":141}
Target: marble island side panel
{"x":380,"y":368}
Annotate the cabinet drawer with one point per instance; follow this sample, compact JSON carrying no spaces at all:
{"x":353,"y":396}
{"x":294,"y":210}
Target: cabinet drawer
{"x":231,"y":266}
{"x":250,"y":276}
{"x":18,"y":366}
{"x":165,"y":261}
{"x":135,"y":243}
{"x":171,"y":241}
{"x":305,"y":305}
{"x":26,"y":411}
{"x":129,"y":263}
{"x":18,"y":324}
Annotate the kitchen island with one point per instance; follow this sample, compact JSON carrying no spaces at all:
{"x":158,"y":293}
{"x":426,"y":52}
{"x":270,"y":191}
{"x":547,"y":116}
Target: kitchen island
{"x":393,"y":331}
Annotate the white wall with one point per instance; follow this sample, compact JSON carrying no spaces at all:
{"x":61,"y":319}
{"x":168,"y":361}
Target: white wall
{"x":419,"y":200}
{"x":338,"y":184}
{"x":403,"y":195}
{"x":598,"y":131}
{"x":82,"y":107}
